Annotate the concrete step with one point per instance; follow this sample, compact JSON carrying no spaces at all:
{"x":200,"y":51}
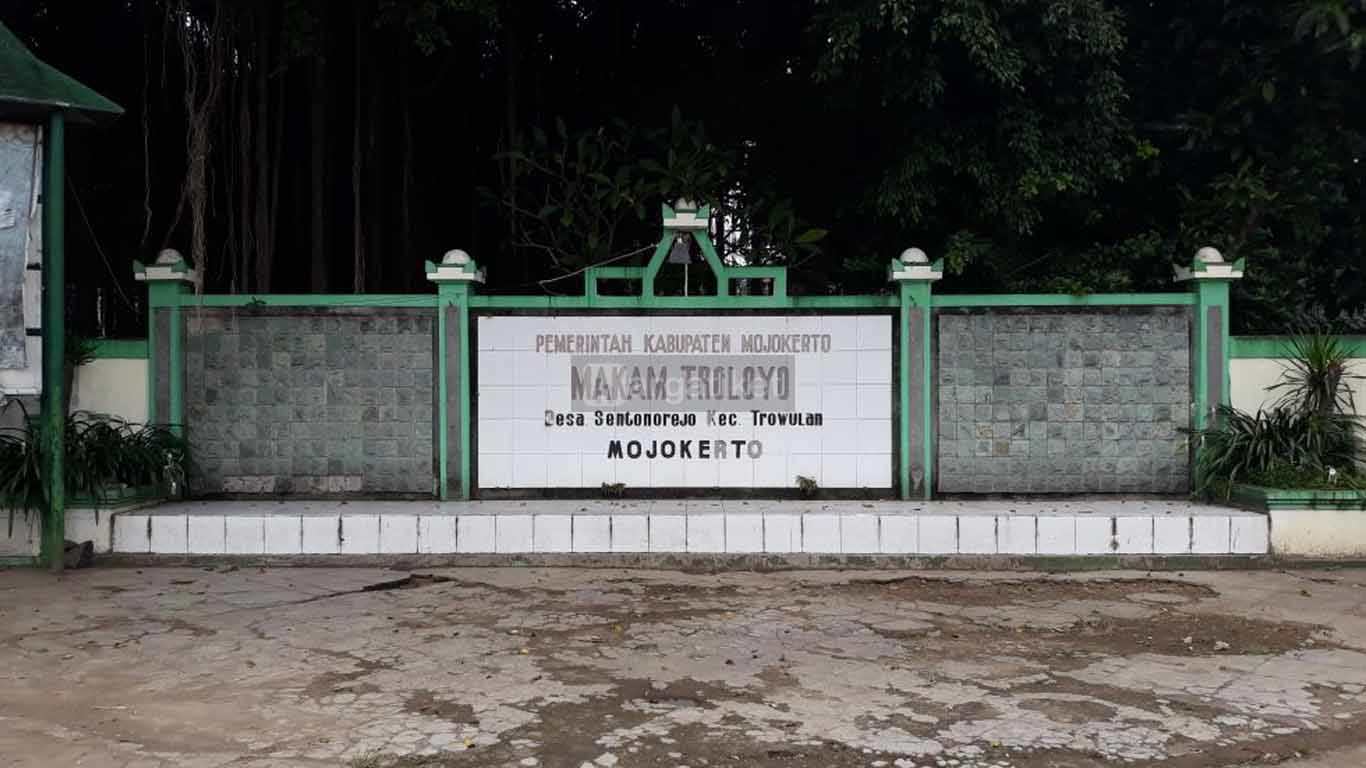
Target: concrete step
{"x":1102,"y":527}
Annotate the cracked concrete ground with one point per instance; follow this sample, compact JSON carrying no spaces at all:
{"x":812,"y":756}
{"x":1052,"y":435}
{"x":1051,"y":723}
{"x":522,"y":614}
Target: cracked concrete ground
{"x":562,"y":667}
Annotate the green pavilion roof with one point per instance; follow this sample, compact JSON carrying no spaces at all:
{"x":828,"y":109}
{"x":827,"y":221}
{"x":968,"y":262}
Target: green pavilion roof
{"x":29,"y":87}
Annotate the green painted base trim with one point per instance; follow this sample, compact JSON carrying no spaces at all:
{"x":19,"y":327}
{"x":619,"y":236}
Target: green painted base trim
{"x":1267,"y":499}
{"x":120,"y":349}
{"x":1248,"y":347}
{"x":1065,"y":300}
{"x":18,"y":561}
{"x":311,"y":300}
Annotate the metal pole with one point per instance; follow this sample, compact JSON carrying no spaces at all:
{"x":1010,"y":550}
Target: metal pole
{"x":54,"y":334}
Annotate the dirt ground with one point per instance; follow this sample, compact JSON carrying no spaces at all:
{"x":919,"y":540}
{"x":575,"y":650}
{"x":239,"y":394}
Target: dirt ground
{"x":363,"y":668}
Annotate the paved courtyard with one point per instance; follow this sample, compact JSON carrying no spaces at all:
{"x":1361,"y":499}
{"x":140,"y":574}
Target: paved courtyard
{"x":243,"y":666}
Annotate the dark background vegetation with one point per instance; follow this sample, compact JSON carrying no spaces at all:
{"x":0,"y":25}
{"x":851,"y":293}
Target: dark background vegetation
{"x":1041,"y":145}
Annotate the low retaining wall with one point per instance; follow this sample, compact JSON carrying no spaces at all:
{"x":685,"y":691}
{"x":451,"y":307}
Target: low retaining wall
{"x":701,"y":527}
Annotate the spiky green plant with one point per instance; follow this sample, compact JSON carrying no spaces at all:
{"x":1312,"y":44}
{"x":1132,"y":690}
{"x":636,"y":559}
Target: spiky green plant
{"x":1310,"y":432}
{"x":101,"y":452}
{"x":21,"y":469}
{"x":1318,"y":376}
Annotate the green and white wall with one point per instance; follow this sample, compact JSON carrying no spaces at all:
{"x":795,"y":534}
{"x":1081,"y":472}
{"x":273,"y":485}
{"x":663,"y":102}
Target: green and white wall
{"x":461,"y":394}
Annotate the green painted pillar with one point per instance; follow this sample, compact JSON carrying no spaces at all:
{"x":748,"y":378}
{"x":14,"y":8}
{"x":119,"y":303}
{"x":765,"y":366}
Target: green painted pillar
{"x":915,"y":275}
{"x":455,"y":278}
{"x":54,"y":336}
{"x":1209,"y":277}
{"x":168,"y":280}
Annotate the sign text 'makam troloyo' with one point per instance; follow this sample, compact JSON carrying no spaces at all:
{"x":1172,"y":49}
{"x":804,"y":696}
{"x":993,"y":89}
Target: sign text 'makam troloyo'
{"x":684,"y":401}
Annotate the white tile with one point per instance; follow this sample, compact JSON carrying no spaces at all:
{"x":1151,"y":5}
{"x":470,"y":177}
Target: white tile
{"x":283,"y":535}
{"x":1210,"y":535}
{"x":564,"y":471}
{"x":839,"y":470}
{"x":320,"y":534}
{"x":244,"y":535}
{"x":1172,"y":535}
{"x":667,"y":473}
{"x":1015,"y":535}
{"x":170,"y":534}
{"x":130,"y":532}
{"x":859,"y":534}
{"x":770,"y":471}
{"x":840,"y":436}
{"x":782,"y":533}
{"x":821,"y":533}
{"x":631,"y":533}
{"x":91,"y":525}
{"x":1095,"y":535}
{"x":496,"y":368}
{"x":874,"y":331}
{"x":528,"y":437}
{"x":1250,"y":535}
{"x":706,"y":533}
{"x":360,"y":534}
{"x":840,"y":401}
{"x":938,"y":534}
{"x":530,"y":470}
{"x":744,"y":532}
{"x":635,"y":473}
{"x":1057,"y":535}
{"x":874,"y":470}
{"x":596,"y":471}
{"x":475,"y":534}
{"x":495,"y":469}
{"x":513,"y":534}
{"x":875,"y":367}
{"x":1135,"y":535}
{"x":206,"y":534}
{"x":398,"y":534}
{"x":874,"y":401}
{"x":436,"y":534}
{"x":592,"y":533}
{"x":528,"y":400}
{"x":551,"y":533}
{"x":495,"y":404}
{"x":839,"y":367}
{"x":977,"y":534}
{"x":900,"y":534}
{"x":668,"y":533}
{"x":701,"y":474}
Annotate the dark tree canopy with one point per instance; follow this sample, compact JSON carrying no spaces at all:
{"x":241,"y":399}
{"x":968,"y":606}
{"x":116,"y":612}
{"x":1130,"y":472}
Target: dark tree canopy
{"x":1041,"y":145}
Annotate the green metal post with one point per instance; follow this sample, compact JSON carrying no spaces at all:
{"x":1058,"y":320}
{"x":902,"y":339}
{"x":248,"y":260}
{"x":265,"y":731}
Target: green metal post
{"x":904,"y":391}
{"x":466,"y":356}
{"x":54,"y":335}
{"x":453,"y":278}
{"x":1210,"y":277}
{"x":914,"y":275}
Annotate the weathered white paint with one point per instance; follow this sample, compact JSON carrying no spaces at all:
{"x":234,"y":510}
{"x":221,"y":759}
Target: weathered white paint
{"x":1249,"y":379}
{"x":117,"y":387}
{"x":1319,"y":532}
{"x":703,"y":526}
{"x":81,"y":525}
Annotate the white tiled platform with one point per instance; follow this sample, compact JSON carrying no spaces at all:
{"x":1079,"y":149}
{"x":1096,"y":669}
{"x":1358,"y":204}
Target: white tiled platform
{"x":1083,"y":527}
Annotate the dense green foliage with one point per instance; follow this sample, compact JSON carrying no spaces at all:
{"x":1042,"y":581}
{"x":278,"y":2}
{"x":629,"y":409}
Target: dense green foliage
{"x":1051,"y":145}
{"x":1311,"y":438}
{"x":102,"y":453}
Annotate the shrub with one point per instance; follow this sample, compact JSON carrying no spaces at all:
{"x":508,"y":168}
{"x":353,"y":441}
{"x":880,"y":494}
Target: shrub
{"x":102,"y":452}
{"x":1310,"y":434}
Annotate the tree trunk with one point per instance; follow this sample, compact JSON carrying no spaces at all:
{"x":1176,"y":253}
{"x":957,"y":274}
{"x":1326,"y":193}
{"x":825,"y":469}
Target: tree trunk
{"x":261,"y":63}
{"x":318,"y":182}
{"x":358,"y":230}
{"x":406,"y":183}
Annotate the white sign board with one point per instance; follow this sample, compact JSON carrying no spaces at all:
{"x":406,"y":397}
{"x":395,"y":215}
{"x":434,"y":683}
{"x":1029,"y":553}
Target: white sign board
{"x":684,"y":401}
